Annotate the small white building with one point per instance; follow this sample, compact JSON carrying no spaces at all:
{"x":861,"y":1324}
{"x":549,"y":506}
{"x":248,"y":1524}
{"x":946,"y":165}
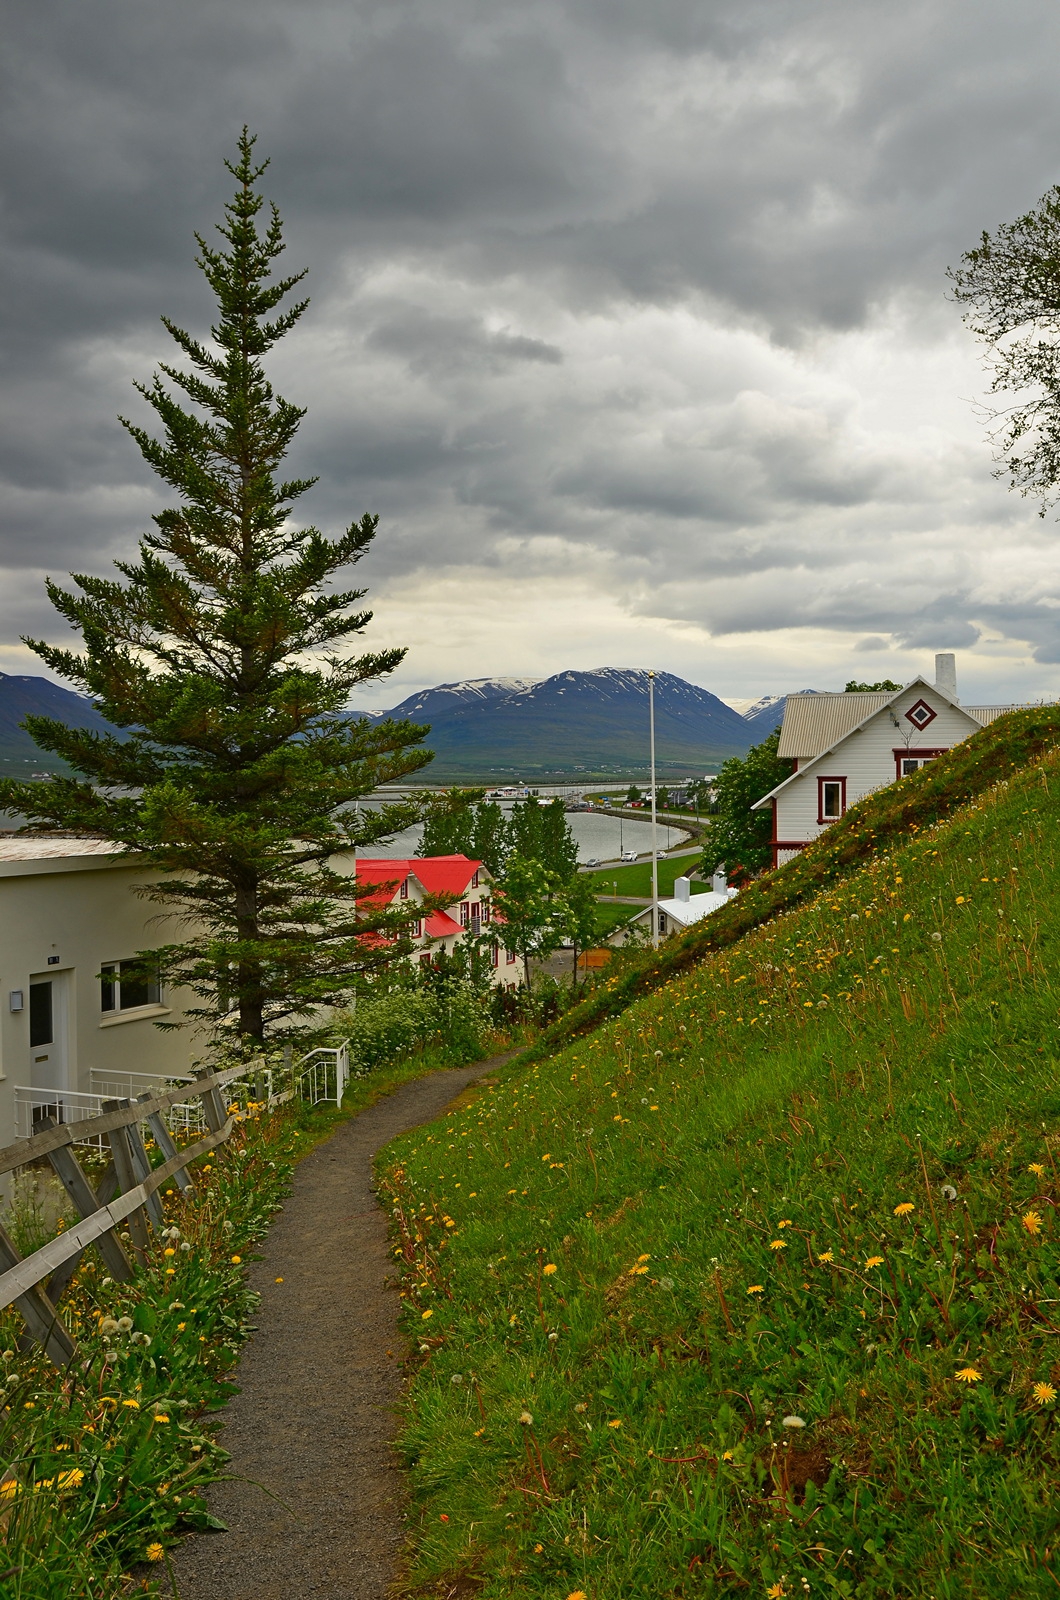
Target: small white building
{"x":680,"y":911}
{"x":74,"y":1021}
{"x":846,"y":746}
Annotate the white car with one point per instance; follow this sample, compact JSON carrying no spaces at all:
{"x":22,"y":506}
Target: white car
{"x":629,"y":855}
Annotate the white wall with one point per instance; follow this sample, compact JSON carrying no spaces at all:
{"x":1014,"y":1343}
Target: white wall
{"x":866,"y":759}
{"x":84,"y":913}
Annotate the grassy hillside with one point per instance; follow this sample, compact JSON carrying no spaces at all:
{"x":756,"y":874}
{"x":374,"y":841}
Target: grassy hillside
{"x":882,"y":820}
{"x":753,"y":1291}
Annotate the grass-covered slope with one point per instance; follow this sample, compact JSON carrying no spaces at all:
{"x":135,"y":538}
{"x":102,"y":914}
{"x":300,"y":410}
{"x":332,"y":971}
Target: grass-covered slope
{"x":881,"y":820}
{"x":754,"y":1291}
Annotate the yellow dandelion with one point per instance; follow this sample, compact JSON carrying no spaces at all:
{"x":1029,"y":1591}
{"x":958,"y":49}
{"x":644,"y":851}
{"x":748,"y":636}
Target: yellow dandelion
{"x":132,"y":1404}
{"x":9,"y":1488}
{"x":576,"y":1594}
{"x":161,"y":1416}
{"x":756,"y":1288}
{"x":1032,"y":1222}
{"x":617,"y":1423}
{"x":425,"y":1314}
{"x":236,"y":1260}
{"x":826,"y":1255}
{"x":785,"y":1222}
{"x":904,"y":1209}
{"x":1037,"y":1168}
{"x":874,"y":1261}
{"x":72,"y":1479}
{"x":778,"y":1244}
{"x":969,"y":1375}
{"x":154,"y":1552}
{"x":1044,"y":1394}
{"x":549,"y":1269}
{"x":776,"y":1591}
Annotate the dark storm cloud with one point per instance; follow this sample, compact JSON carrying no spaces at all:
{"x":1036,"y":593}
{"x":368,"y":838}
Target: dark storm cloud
{"x":580,"y":271}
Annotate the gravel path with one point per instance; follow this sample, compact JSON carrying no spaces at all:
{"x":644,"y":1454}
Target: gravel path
{"x":315,"y":1420}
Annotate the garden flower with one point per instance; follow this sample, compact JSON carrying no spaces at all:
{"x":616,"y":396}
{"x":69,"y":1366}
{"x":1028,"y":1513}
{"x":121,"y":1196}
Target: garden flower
{"x":1044,"y":1394}
{"x":1032,"y":1222}
{"x":904,"y":1209}
{"x":969,"y":1375}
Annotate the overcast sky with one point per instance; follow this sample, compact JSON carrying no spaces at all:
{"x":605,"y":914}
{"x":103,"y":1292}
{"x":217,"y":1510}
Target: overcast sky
{"x":629,"y":320}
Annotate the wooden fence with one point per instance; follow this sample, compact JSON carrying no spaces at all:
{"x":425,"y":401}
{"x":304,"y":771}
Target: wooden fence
{"x":127,"y":1193}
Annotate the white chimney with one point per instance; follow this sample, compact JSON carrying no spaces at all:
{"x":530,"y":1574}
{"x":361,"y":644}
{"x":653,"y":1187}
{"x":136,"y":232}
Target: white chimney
{"x":719,"y":883}
{"x":682,"y":888}
{"x":946,"y":675}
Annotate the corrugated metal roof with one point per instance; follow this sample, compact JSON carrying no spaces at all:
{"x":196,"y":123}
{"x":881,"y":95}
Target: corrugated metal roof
{"x":813,"y":722}
{"x":18,"y":848}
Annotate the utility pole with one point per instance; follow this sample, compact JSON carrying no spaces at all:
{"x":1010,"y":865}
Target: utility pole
{"x":654,"y":829}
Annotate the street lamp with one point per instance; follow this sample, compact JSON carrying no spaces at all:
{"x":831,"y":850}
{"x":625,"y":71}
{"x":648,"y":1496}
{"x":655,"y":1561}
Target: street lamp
{"x":654,"y":827}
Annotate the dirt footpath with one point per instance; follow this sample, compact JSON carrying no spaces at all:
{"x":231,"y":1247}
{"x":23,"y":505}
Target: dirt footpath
{"x":315,"y":1420}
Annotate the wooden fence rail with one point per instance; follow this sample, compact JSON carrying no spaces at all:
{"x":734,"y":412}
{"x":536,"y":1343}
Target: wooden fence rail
{"x":127,"y":1193}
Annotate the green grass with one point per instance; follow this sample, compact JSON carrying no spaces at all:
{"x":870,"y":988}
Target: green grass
{"x":887,"y":818}
{"x":636,"y":879}
{"x":743,"y":1184}
{"x":610,"y":917}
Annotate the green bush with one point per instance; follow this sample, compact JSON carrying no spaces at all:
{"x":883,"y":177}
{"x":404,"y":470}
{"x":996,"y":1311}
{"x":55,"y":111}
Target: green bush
{"x":407,"y":1021}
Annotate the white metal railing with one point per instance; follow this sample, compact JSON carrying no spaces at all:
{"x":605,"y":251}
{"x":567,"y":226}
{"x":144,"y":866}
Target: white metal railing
{"x":64,"y":1105}
{"x":127,"y":1085}
{"x":323,"y":1074}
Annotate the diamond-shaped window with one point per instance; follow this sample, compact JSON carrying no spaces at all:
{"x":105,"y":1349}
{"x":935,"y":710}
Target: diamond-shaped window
{"x":920,"y":715}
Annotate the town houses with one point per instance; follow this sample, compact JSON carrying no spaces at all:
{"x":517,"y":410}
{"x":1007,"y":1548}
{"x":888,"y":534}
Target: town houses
{"x":846,"y":745}
{"x":409,"y":881}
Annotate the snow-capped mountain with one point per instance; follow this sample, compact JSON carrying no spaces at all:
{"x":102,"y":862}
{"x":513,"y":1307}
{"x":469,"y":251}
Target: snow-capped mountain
{"x":573,"y":721}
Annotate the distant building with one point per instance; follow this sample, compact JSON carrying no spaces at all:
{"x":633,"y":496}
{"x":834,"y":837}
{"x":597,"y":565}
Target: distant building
{"x":845,"y":746}
{"x":408,"y":881}
{"x":683,"y":908}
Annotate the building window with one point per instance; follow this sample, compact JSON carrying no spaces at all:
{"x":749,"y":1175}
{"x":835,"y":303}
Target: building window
{"x":906,"y":761}
{"x":124,"y":986}
{"x":831,"y":799}
{"x":495,"y":954}
{"x":417,"y":927}
{"x":485,"y":912}
{"x":465,"y":913}
{"x":511,"y":957}
{"x":403,"y":892}
{"x":920,"y":715}
{"x":474,"y":881}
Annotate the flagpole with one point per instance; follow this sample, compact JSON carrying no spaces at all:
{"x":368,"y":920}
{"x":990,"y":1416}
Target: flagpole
{"x":654,"y":827}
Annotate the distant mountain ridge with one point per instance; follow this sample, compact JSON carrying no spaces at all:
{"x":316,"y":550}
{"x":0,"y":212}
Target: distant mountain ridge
{"x":542,"y":729}
{"x":593,"y":721}
{"x":23,"y":696}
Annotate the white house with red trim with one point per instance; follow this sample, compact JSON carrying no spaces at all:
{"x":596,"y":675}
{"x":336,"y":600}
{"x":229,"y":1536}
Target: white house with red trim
{"x":406,"y":882}
{"x":846,"y":746}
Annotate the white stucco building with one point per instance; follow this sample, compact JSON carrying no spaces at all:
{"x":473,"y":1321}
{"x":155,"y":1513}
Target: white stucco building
{"x":71,"y":1024}
{"x":845,"y":746}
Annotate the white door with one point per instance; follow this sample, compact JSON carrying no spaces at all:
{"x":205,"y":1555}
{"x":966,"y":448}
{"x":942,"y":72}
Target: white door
{"x":48,"y":1031}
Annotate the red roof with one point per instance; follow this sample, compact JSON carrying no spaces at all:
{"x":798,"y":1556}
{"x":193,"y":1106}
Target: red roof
{"x":440,"y":925}
{"x":435,"y":874}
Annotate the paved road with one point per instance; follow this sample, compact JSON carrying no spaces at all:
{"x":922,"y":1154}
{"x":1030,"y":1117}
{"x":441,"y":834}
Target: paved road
{"x":316,"y":1501}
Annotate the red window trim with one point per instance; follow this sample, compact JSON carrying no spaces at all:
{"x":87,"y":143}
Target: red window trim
{"x":822,"y":820}
{"x":901,"y":755}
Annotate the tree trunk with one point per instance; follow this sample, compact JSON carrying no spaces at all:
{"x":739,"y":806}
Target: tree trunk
{"x":251,"y":999}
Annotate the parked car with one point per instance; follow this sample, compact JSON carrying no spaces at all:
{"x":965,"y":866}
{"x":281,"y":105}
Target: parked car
{"x":629,"y":855}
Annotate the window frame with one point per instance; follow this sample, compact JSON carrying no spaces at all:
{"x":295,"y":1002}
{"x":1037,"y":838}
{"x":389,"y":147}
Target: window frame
{"x":914,"y":753}
{"x":110,"y":987}
{"x":822,"y":784}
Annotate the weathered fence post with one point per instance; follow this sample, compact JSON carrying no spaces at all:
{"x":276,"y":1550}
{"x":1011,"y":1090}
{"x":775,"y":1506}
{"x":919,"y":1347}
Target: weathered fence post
{"x":212,"y":1104}
{"x":164,"y":1140}
{"x":80,"y":1191}
{"x":38,"y":1313}
{"x":125,"y":1170}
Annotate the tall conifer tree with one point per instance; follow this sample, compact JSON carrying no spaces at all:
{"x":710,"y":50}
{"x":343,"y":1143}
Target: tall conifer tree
{"x":220,"y":653}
